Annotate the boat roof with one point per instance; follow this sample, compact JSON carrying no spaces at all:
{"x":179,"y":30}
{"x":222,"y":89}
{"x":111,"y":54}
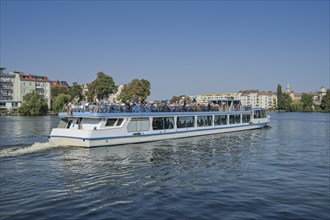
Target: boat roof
{"x":147,"y":114}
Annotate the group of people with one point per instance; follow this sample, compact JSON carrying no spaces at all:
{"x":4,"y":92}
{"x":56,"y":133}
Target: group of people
{"x":151,"y":107}
{"x":180,"y":107}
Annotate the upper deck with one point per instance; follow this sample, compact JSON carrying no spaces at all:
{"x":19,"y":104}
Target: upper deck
{"x":125,"y":109}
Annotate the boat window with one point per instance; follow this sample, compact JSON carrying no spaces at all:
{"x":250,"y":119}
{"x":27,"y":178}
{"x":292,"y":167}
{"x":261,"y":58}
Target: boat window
{"x":185,"y":122}
{"x":203,"y":121}
{"x":138,"y":125}
{"x":234,"y":119}
{"x":220,"y":120}
{"x":157,"y":123}
{"x":246,"y":118}
{"x":259,"y":114}
{"x":231,"y":119}
{"x":111,"y":122}
{"x":256,"y":114}
{"x":161,"y":123}
{"x":237,"y":119}
{"x":63,"y":123}
{"x":120,"y":121}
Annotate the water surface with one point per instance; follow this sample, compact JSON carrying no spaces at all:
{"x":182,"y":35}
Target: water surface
{"x":280,"y":172}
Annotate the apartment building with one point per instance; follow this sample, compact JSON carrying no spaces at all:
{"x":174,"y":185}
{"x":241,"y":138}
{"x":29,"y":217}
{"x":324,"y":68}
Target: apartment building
{"x":15,"y":85}
{"x":256,"y":98}
{"x":58,"y":83}
{"x":205,"y":98}
{"x":28,"y":83}
{"x":6,"y":91}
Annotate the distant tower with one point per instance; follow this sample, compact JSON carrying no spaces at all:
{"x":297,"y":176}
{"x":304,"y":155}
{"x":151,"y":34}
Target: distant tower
{"x":323,"y":89}
{"x":290,"y":92}
{"x":288,"y":89}
{"x":322,"y":92}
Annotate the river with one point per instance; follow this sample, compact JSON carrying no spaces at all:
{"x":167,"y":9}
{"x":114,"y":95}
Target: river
{"x":279,"y":172}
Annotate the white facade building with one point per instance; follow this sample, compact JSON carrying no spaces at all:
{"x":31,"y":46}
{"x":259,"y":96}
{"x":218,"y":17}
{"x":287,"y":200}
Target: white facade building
{"x":205,"y":98}
{"x":28,"y":83}
{"x":15,"y":85}
{"x":257,"y":99}
{"x":254,"y":98}
{"x":6,"y":91}
{"x":318,"y":96}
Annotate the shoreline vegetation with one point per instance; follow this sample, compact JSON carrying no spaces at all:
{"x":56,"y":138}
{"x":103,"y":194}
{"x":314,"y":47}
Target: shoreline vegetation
{"x":137,"y":92}
{"x":51,"y":113}
{"x":305,"y":104}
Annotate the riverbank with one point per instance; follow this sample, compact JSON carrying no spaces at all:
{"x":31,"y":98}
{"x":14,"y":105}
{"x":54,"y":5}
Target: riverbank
{"x":16,"y":113}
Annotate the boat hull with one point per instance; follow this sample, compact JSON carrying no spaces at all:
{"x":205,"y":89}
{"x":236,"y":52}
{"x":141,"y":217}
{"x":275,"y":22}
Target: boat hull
{"x":63,"y":137}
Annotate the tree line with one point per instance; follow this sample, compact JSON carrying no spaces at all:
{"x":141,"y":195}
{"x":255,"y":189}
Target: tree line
{"x":305,"y":104}
{"x":139,"y":89}
{"x":99,"y":89}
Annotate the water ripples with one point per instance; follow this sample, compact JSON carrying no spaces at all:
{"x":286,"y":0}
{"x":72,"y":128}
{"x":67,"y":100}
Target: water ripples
{"x":270,"y":173}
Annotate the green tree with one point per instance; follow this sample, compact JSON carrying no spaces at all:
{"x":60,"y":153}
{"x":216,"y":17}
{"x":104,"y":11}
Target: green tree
{"x":286,"y":102}
{"x":296,"y":106}
{"x":102,"y":87}
{"x":180,"y":98}
{"x":59,"y":90}
{"x":307,"y":102}
{"x":59,"y":102}
{"x":325,"y":103}
{"x":175,"y":99}
{"x":90,"y":93}
{"x":76,"y":91}
{"x":33,"y":104}
{"x":137,"y":88}
{"x":280,"y":98}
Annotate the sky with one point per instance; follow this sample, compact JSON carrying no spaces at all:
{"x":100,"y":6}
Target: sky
{"x":181,"y":47}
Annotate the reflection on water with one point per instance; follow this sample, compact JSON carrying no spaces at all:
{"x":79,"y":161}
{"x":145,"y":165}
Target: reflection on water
{"x":25,"y":130}
{"x":173,"y":163}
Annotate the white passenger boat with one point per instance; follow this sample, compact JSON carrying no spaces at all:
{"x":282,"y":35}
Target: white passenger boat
{"x":107,"y":125}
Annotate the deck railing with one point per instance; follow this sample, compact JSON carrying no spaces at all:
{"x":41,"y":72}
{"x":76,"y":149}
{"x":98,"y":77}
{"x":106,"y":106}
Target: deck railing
{"x":136,"y":108}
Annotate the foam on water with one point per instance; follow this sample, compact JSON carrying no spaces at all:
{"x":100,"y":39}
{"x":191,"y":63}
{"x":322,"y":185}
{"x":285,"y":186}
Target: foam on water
{"x":36,"y":147}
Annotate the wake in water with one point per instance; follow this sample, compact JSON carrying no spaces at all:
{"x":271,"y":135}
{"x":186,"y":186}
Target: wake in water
{"x":17,"y":151}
